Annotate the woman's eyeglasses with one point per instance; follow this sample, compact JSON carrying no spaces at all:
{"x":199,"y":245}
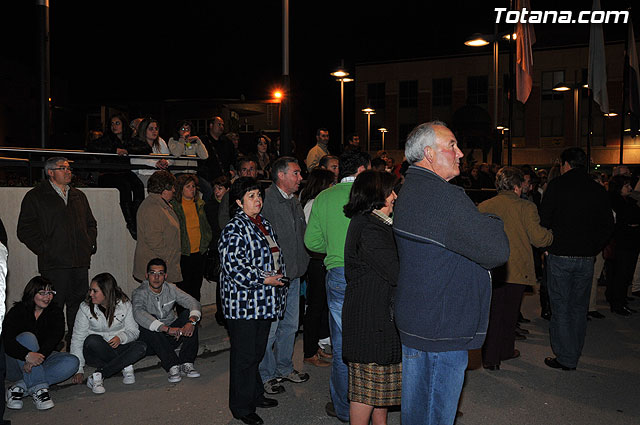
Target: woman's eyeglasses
{"x":45,"y":293}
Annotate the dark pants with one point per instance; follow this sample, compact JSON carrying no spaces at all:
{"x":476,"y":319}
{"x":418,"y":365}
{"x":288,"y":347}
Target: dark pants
{"x":248,"y":344}
{"x":192,"y":267}
{"x":505,"y":306}
{"x":316,"y":317}
{"x":545,"y":306}
{"x":129,"y":186}
{"x":71,"y":287}
{"x":624,"y":265}
{"x":163,"y":345}
{"x":109,"y":361}
{"x":569,"y":286}
{"x":3,"y":372}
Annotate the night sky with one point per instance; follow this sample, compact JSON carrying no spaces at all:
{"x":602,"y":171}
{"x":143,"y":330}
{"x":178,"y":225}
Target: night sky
{"x":114,"y":52}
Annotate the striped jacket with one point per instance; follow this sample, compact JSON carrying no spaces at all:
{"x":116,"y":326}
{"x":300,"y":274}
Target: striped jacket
{"x":244,"y":255}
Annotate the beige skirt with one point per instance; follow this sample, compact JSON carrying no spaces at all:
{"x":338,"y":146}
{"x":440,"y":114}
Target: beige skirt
{"x":375,"y":385}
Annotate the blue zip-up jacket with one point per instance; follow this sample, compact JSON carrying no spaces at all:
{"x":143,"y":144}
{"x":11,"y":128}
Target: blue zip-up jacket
{"x":445,"y":248}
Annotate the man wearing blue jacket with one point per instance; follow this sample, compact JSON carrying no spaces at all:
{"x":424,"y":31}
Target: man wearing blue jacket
{"x":446,"y":248}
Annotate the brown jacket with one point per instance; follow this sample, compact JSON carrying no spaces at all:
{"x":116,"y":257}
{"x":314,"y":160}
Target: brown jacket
{"x":158,"y":237}
{"x":522,"y":226}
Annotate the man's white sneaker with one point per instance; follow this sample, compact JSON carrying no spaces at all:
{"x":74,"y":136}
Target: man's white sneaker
{"x":189,"y":371}
{"x":174,"y":374}
{"x":95,"y":383}
{"x":128,"y":375}
{"x":42,"y":399}
{"x":14,"y":397}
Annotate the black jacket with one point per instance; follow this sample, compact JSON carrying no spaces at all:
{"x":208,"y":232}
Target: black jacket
{"x":62,"y":236}
{"x":48,"y":329}
{"x":369,"y":333}
{"x":578,"y":211}
{"x":221,"y":157}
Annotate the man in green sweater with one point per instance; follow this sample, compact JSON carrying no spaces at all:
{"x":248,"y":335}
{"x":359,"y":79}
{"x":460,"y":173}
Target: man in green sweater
{"x":326,"y":233}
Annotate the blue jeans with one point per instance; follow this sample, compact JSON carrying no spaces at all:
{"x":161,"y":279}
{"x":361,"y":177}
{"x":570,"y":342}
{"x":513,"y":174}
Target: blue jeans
{"x":431,"y":386}
{"x":57,"y":367}
{"x":569,"y":285}
{"x":339,"y":382}
{"x":278,"y":357}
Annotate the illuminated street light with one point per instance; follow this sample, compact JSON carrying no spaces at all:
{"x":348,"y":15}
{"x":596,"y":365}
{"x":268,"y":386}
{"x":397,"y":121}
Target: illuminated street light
{"x":342,"y":76}
{"x":383,"y":130}
{"x":368,"y":112}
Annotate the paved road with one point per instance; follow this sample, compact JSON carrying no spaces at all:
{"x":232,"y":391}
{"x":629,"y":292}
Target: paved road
{"x":604,"y":390}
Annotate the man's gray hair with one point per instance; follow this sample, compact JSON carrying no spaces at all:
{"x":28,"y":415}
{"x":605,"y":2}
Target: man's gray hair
{"x":281,"y":165}
{"x":420,"y":137}
{"x":53,"y":163}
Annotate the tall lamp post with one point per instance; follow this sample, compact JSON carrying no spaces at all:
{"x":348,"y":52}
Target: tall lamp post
{"x":383,"y":130}
{"x":343,"y":77}
{"x":480,"y":40}
{"x":368,"y":112}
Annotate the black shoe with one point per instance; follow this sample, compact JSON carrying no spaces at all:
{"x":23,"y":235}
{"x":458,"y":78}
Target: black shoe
{"x":596,"y":315}
{"x":491,"y":366}
{"x":521,"y":319}
{"x":546,"y":315}
{"x":555,"y":364}
{"x":515,"y":355}
{"x":331,"y":411}
{"x":622,"y":311}
{"x":629,"y":309}
{"x":266,"y":403}
{"x":251,"y":419}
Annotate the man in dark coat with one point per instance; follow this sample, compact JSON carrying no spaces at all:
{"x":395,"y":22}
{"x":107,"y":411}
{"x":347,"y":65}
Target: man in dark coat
{"x":57,"y":224}
{"x":577,"y":210}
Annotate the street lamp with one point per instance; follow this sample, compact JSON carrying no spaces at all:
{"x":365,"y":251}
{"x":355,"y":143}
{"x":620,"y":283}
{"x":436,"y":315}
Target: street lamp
{"x":343,"y":77}
{"x":576,"y":87}
{"x":383,"y":130}
{"x":368,"y":112}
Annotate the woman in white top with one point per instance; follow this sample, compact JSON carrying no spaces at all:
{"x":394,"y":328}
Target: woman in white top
{"x":105,"y":334}
{"x":148,"y":131}
{"x":183,"y":143}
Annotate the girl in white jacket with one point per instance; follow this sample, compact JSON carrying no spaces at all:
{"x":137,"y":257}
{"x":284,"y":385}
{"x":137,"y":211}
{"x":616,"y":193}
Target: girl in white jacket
{"x":105,"y":334}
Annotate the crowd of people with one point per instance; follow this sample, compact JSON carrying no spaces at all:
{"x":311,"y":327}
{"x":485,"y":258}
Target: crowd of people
{"x":402,"y":272}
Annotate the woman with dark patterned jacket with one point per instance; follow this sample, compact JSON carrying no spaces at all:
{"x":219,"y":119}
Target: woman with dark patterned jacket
{"x":253,"y":294}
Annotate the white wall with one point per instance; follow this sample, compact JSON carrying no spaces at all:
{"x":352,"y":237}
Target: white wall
{"x":115,"y":244}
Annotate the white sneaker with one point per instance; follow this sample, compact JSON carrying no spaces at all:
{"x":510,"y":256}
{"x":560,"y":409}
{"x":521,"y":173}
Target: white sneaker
{"x":42,"y":399}
{"x":187,"y":369}
{"x":174,"y":374}
{"x":128,"y":376}
{"x":14,"y":396}
{"x":95,"y":383}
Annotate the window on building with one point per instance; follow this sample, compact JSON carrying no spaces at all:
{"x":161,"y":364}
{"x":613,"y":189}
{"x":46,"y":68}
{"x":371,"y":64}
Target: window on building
{"x":403,"y":132}
{"x":478,"y":90}
{"x":408,"y":97}
{"x":552,"y":105}
{"x":375,"y":95}
{"x":441,"y":92}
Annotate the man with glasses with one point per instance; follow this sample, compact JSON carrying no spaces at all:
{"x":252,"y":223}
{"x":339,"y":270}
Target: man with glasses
{"x":161,"y":328}
{"x":57,"y":224}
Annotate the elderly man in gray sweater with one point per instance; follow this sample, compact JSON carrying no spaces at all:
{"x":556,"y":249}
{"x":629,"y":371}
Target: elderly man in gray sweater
{"x":283,"y":210}
{"x":161,"y":328}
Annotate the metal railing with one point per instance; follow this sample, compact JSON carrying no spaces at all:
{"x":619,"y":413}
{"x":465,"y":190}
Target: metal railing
{"x":36,"y":158}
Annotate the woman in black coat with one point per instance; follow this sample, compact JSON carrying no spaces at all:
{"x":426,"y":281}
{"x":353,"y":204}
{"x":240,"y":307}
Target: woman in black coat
{"x":626,"y":242}
{"x":370,"y":341}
